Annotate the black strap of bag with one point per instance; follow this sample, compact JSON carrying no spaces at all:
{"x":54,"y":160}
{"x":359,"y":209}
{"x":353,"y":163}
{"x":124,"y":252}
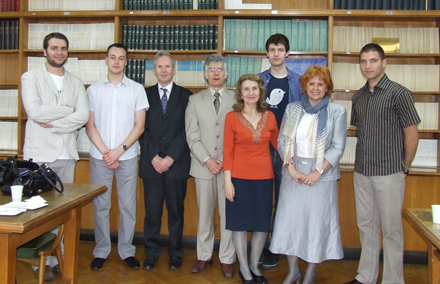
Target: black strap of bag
{"x":47,"y":172}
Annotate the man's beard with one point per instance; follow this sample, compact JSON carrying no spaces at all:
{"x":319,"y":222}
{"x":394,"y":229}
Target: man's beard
{"x":54,"y":64}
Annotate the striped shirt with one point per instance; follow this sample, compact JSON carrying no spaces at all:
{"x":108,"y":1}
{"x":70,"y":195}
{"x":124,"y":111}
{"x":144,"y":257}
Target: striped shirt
{"x":380,"y":118}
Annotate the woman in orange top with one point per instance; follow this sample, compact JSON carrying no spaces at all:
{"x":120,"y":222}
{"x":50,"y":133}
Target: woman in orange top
{"x":247,"y":164}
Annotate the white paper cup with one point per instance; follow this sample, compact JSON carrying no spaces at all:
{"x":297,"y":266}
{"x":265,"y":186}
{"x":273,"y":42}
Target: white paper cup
{"x":436,"y":214}
{"x":16,"y":192}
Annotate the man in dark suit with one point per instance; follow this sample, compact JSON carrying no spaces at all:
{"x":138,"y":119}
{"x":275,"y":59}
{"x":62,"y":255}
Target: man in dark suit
{"x":164,"y":162}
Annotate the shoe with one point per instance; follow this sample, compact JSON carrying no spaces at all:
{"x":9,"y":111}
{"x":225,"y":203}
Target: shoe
{"x":228,"y":270}
{"x":251,"y":281}
{"x":259,"y":278}
{"x":175,"y":263}
{"x":271,"y":260}
{"x":263,"y":256}
{"x":132,"y":262}
{"x":354,"y":281}
{"x":97,"y":263}
{"x":149,"y":263}
{"x":56,"y":269}
{"x":201,"y":265}
{"x":48,"y":275}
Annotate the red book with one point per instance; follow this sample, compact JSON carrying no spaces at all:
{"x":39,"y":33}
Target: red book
{"x":1,"y":5}
{"x":17,"y":5}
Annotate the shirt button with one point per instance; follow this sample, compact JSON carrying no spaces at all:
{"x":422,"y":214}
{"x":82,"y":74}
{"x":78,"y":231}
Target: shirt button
{"x":217,"y":124}
{"x":217,"y":136}
{"x":215,"y":148}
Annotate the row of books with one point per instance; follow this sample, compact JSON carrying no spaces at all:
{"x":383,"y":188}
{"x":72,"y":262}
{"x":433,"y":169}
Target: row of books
{"x":170,"y":4}
{"x":9,"y":103}
{"x":238,"y":4}
{"x":9,"y":34}
{"x":426,"y":154}
{"x":77,"y":5}
{"x":90,"y":71}
{"x":135,"y":70}
{"x":81,"y":36}
{"x":9,"y":5}
{"x":8,"y":139}
{"x":428,"y":113}
{"x":411,"y":40}
{"x":387,"y":4}
{"x":175,"y":37}
{"x":251,"y":34}
{"x":188,"y":73}
{"x":348,"y":76}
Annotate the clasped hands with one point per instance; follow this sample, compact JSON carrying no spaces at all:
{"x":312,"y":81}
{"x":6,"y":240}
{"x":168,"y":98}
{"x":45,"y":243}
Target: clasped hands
{"x":110,"y":157}
{"x":299,"y":177}
{"x":162,"y":165}
{"x":215,"y":166}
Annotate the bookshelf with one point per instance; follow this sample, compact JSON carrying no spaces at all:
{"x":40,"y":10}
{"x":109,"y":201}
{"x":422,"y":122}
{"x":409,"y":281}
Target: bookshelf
{"x":14,"y":62}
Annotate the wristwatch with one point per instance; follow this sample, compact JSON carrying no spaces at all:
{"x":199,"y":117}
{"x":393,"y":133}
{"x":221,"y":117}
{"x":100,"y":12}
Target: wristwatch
{"x":124,"y":147}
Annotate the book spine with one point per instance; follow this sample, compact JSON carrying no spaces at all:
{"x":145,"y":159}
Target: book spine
{"x":323,"y":36}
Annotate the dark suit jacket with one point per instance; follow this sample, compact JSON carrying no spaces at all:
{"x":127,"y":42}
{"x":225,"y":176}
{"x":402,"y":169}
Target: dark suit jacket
{"x":164,"y":134}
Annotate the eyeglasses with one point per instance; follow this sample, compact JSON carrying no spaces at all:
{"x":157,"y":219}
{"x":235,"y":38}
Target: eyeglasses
{"x":213,"y":69}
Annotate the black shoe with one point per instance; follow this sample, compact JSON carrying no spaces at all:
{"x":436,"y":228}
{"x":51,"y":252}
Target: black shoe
{"x":259,"y":278}
{"x":149,"y":263}
{"x":263,"y":256}
{"x":97,"y":263}
{"x":48,"y":275}
{"x":132,"y":262}
{"x":56,"y":269}
{"x":251,"y":281}
{"x":175,"y":262}
{"x":271,"y":260}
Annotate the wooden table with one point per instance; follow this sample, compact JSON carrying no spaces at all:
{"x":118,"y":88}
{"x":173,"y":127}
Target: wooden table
{"x":62,"y":209}
{"x":422,"y":219}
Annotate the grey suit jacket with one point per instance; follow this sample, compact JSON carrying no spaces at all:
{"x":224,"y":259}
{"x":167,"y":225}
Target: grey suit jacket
{"x":204,"y":129}
{"x":335,"y":143}
{"x":67,"y":112}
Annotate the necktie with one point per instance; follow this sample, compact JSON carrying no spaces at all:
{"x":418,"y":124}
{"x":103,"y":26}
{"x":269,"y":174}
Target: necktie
{"x":164,"y":100}
{"x":216,"y":102}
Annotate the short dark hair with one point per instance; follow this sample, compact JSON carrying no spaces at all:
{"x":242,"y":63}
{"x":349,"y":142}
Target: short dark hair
{"x":54,"y":35}
{"x":278,"y":39}
{"x":117,"y":45}
{"x":373,"y":47}
{"x":261,"y":104}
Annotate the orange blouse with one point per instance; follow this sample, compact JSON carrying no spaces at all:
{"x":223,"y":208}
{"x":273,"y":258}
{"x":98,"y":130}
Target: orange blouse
{"x":246,"y":150}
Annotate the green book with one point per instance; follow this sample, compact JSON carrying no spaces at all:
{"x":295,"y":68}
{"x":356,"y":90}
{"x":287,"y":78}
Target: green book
{"x":267,"y":33}
{"x":323,"y":36}
{"x":148,"y":37}
{"x":173,"y":4}
{"x":280,"y":27}
{"x":198,"y":37}
{"x":233,"y":71}
{"x":125,"y":5}
{"x":315,"y":37}
{"x":309,"y":36}
{"x":185,"y":37}
{"x":211,"y":34}
{"x":167,"y":5}
{"x":180,"y":5}
{"x":172,"y":37}
{"x":137,"y":33}
{"x":254,"y":36}
{"x":181,"y":37}
{"x":294,"y":36}
{"x":232,"y":35}
{"x":124,"y":34}
{"x":141,"y":41}
{"x":149,"y":5}
{"x":250,"y":66}
{"x":243,"y":67}
{"x":167,"y":36}
{"x":243,"y":32}
{"x":288,"y":30}
{"x":301,"y":36}
{"x":130,"y":36}
{"x":155,"y":45}
{"x":261,"y":45}
{"x":237,"y":34}
{"x":226,"y":34}
{"x":257,"y":65}
{"x":161,"y":44}
{"x":191,"y":36}
{"x":273,"y":27}
{"x":215,"y":38}
{"x":248,"y":36}
{"x":135,"y":4}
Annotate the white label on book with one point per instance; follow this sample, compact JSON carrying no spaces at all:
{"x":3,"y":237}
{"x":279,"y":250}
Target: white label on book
{"x":274,"y":12}
{"x":66,"y":13}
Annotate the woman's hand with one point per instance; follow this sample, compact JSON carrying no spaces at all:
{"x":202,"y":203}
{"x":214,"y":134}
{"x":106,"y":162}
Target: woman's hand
{"x":229,"y":191}
{"x":296,"y":175}
{"x":311,"y":178}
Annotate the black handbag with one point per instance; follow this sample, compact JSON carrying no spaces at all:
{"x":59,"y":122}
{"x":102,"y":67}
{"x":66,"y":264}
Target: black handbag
{"x":35,"y":178}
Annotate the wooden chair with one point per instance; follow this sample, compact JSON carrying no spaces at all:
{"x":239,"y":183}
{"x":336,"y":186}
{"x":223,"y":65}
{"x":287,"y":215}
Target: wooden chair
{"x":36,"y":251}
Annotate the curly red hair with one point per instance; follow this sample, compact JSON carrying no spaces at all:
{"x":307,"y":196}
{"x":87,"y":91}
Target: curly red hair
{"x":321,"y":72}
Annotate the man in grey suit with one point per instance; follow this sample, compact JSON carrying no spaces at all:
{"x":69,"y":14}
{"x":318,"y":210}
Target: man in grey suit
{"x":204,"y":123}
{"x":56,"y":106}
{"x":165,"y":161}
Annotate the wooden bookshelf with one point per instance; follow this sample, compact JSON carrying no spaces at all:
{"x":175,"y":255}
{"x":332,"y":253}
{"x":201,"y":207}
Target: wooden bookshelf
{"x":422,"y":186}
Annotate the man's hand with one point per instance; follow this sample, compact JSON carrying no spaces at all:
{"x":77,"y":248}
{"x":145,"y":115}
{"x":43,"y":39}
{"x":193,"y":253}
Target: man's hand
{"x":159,"y":165}
{"x":215,"y":166}
{"x":114,"y":166}
{"x":111,"y":156}
{"x":45,"y":124}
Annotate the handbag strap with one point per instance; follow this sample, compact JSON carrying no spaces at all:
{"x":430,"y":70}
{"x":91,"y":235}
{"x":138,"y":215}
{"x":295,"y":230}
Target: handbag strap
{"x":44,"y":169}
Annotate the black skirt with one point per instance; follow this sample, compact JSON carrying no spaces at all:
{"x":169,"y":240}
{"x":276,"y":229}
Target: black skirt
{"x":252,"y":206}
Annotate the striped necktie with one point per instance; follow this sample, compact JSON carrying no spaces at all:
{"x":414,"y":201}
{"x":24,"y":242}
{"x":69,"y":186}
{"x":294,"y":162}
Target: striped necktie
{"x":217,"y":101}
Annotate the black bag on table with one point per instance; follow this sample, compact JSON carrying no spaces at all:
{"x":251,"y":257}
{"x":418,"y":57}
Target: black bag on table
{"x":35,"y":178}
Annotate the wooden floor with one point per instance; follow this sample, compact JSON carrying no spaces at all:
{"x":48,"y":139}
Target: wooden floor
{"x":115,"y":271}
